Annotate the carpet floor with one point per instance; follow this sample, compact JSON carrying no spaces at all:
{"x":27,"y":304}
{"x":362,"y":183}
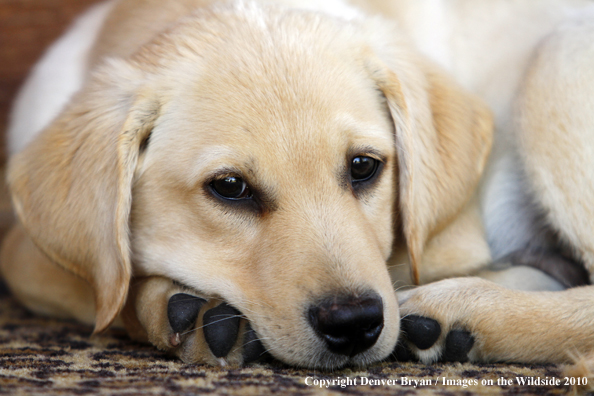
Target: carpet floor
{"x":40,"y":356}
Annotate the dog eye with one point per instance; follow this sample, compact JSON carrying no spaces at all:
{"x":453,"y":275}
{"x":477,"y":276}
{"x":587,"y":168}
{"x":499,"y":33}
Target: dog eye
{"x":363,"y":168}
{"x":231,"y":187}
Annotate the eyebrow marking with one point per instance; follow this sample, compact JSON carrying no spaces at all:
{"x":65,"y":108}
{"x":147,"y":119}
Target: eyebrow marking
{"x":363,"y":150}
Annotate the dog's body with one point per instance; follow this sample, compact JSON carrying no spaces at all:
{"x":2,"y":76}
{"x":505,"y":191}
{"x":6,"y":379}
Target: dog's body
{"x":163,"y":105}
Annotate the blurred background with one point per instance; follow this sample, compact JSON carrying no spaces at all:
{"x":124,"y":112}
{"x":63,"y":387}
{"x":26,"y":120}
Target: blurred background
{"x":27,"y":28}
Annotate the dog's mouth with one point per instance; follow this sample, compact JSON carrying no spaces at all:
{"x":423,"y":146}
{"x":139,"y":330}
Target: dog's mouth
{"x":339,"y":331}
{"x":339,"y":347}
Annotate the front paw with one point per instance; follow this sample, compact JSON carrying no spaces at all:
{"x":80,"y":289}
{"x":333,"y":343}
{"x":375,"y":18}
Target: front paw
{"x":422,"y":339}
{"x":194,"y":328}
{"x":224,"y":328}
{"x":444,"y":321}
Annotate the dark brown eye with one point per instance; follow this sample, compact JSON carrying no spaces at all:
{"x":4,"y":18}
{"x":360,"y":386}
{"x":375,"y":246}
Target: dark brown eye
{"x":231,"y":187}
{"x":363,"y":168}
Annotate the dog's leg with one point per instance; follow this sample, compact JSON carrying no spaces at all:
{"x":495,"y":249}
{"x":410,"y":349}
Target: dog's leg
{"x":42,"y":286}
{"x":196,"y":329}
{"x":473,"y":319}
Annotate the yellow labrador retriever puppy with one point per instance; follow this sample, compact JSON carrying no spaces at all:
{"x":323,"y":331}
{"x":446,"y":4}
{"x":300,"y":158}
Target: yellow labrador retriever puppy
{"x":233,"y":177}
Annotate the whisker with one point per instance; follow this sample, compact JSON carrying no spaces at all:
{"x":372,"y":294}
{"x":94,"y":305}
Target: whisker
{"x":401,"y":287}
{"x":254,"y":340}
{"x":217,"y":321}
{"x":397,"y":265}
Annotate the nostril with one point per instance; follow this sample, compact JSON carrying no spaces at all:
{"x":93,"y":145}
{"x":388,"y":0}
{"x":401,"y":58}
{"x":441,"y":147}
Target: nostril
{"x":349,"y":325}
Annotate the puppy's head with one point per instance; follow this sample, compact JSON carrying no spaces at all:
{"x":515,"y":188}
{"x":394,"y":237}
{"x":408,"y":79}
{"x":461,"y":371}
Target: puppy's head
{"x":262,"y":156}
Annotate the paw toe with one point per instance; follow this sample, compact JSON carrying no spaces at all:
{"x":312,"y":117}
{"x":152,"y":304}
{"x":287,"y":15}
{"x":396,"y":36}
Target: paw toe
{"x":182,"y":311}
{"x":252,"y":347}
{"x":457,"y":345}
{"x":221,"y":328}
{"x":421,"y":331}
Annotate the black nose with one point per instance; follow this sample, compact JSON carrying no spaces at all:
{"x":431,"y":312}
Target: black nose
{"x":348,"y":324}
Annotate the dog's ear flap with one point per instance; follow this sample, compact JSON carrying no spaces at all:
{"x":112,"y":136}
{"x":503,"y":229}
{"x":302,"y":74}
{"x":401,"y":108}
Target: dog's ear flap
{"x":72,"y":186}
{"x":443,"y":135}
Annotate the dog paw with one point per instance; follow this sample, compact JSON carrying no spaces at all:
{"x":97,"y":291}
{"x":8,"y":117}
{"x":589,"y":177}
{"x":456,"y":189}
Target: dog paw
{"x":443,"y":321}
{"x":194,"y":328}
{"x":420,"y":337}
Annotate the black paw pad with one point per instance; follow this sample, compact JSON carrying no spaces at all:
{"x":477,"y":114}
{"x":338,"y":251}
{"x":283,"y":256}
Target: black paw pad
{"x":182,"y":311}
{"x":421,"y":331}
{"x":457,"y":345}
{"x":221,"y":327}
{"x":252,"y":347}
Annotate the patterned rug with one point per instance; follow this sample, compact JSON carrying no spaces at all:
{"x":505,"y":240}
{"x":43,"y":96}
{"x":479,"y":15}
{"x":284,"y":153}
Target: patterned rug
{"x":40,"y":356}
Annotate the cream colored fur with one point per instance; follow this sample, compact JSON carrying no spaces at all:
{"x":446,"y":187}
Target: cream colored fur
{"x":112,"y":193}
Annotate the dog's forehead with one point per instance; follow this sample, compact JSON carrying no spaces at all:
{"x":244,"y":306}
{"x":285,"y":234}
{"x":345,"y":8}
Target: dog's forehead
{"x":291,"y":110}
{"x":277,"y":121}
{"x":273,"y":94}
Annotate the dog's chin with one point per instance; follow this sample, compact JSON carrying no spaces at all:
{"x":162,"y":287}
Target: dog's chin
{"x":332,"y":361}
{"x":323,"y":359}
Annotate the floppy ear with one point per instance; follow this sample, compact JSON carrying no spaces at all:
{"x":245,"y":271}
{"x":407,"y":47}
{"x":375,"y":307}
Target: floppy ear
{"x":71,"y":187}
{"x":443,"y":136}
